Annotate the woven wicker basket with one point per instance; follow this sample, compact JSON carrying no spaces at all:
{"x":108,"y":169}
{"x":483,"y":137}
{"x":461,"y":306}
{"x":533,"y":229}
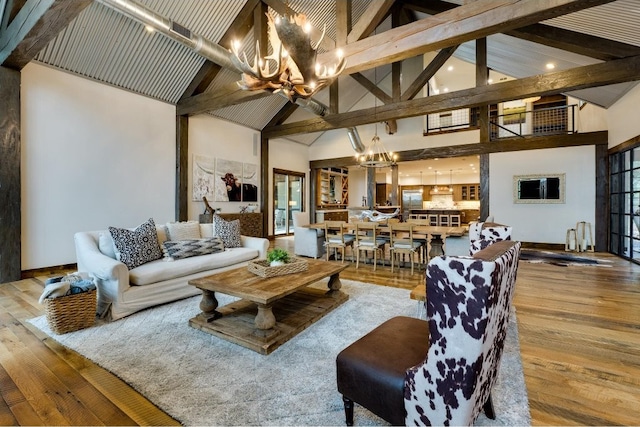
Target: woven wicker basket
{"x":263,"y":269}
{"x":71,"y":312}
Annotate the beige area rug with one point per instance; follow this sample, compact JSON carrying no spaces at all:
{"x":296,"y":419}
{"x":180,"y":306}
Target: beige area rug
{"x":203,"y":380}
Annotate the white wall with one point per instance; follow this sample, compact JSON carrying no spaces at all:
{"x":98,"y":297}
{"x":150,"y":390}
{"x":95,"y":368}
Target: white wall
{"x":92,"y":156}
{"x":215,"y":138}
{"x":544,"y":223}
{"x":623,"y":118}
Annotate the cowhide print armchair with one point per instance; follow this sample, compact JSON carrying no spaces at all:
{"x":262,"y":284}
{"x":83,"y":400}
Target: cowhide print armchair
{"x":440,"y":371}
{"x":483,"y":234}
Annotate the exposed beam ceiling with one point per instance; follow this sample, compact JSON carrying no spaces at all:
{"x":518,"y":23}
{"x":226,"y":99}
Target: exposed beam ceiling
{"x":452,"y":27}
{"x":547,"y":35}
{"x":369,"y":20}
{"x":464,"y":23}
{"x":617,"y":71}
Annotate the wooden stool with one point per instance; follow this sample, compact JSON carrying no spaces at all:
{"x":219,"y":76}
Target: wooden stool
{"x":433,"y":220}
{"x":454,"y":220}
{"x":570,"y":244}
{"x":582,"y":242}
{"x":443,"y":220}
{"x":419,"y":293}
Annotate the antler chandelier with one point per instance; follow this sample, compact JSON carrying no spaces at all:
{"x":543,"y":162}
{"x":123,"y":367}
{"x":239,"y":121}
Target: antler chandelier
{"x":291,"y":67}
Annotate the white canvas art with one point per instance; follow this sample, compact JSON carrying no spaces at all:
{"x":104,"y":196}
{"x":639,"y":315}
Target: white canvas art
{"x":203,"y":177}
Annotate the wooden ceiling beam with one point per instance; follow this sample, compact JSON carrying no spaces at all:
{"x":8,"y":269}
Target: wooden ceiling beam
{"x":572,"y":41}
{"x":373,"y":88}
{"x":36,"y":24}
{"x":426,"y":74}
{"x":606,"y":73}
{"x":370,"y":19}
{"x":531,"y":142}
{"x":461,"y":24}
{"x":229,"y":95}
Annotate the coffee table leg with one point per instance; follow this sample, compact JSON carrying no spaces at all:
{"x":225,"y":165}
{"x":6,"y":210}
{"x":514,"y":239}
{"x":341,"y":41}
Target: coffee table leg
{"x":265,"y":318}
{"x":208,"y":305}
{"x":334,"y":282}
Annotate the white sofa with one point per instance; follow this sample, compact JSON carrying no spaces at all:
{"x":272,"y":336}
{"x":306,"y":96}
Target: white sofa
{"x":122,"y":292}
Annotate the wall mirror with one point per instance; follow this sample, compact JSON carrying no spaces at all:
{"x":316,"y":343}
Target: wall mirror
{"x":540,"y":188}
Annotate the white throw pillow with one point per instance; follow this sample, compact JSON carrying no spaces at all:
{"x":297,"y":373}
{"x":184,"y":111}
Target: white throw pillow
{"x":105,"y":244}
{"x":186,"y":230}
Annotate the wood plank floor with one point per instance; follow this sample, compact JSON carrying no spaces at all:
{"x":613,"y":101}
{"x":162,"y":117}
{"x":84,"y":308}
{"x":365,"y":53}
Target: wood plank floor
{"x":579,"y":336}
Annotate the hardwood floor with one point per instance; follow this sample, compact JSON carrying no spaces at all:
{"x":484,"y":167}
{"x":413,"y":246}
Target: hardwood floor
{"x":579,"y":336}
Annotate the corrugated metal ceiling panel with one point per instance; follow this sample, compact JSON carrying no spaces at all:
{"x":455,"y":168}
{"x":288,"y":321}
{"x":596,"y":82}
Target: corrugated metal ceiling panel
{"x":103,"y":45}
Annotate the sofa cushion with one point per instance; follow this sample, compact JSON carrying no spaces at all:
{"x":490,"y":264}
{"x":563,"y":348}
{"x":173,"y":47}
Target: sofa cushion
{"x":228,"y":231}
{"x":185,"y":230}
{"x":158,"y":271}
{"x":178,"y":249}
{"x":136,"y":247}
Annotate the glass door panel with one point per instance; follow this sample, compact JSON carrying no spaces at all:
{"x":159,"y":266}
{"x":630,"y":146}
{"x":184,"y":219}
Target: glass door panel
{"x":288,"y":197}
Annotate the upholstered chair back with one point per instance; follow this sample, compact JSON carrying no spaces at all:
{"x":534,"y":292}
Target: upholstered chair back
{"x":300,"y":219}
{"x":468,"y":304}
{"x":483,"y":234}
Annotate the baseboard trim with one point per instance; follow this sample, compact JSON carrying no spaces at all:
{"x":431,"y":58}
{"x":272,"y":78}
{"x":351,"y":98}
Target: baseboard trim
{"x":47,"y":271}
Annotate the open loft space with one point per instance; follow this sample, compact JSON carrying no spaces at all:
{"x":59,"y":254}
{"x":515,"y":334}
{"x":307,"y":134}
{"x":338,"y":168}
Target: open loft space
{"x":196,"y":190}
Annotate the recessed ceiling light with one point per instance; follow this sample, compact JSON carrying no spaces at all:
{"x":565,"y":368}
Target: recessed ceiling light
{"x":490,"y":81}
{"x":149,"y":28}
{"x":550,"y":66}
{"x":446,"y":89}
{"x":450,"y":68}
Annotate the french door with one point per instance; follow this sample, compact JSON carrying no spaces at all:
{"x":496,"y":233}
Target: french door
{"x":288,"y":197}
{"x":625,"y":203}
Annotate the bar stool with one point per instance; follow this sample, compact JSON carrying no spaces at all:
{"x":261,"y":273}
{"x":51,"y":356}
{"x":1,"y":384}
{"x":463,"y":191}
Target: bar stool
{"x":433,"y":220}
{"x":583,"y":241}
{"x":422,"y":216}
{"x":444,"y":220}
{"x":454,"y":220}
{"x":413,"y":216}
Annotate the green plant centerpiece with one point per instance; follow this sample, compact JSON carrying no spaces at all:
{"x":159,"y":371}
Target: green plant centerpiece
{"x":277,"y":256}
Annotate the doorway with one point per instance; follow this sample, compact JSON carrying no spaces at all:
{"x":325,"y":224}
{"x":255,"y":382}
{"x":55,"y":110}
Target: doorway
{"x":288,"y":197}
{"x":625,"y":204}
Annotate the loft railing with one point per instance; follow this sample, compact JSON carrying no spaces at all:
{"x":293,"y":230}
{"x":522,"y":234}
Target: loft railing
{"x":540,"y":121}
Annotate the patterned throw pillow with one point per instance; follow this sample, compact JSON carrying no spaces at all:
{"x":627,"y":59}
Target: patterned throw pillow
{"x":178,"y":249}
{"x":136,"y":247}
{"x":185,"y":230}
{"x":228,"y":231}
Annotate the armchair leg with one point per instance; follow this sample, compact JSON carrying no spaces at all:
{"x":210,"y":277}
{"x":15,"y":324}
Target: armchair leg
{"x":487,"y":407}
{"x":348,"y":410}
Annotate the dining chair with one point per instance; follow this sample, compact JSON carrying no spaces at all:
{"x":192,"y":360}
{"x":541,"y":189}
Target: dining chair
{"x":368,"y":239}
{"x":401,"y":242}
{"x":337,"y":237}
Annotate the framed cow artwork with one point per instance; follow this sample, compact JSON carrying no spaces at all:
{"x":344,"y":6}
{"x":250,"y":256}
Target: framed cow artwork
{"x":228,"y":187}
{"x":249,"y":182}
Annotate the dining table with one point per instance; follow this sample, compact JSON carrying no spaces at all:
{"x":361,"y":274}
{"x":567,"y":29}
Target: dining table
{"x":435,"y":235}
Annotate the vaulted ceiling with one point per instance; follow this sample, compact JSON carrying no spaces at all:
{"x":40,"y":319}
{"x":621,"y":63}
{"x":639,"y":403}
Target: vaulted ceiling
{"x":101,"y":44}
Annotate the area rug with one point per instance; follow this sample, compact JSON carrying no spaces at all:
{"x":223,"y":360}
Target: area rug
{"x":200,"y":379}
{"x":561,"y":259}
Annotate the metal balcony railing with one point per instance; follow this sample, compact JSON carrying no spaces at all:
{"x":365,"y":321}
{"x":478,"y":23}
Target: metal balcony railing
{"x":540,"y":121}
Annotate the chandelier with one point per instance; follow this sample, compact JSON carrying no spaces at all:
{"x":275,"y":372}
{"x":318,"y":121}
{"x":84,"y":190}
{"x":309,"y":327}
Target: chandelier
{"x":376,"y":156}
{"x":291,"y":67}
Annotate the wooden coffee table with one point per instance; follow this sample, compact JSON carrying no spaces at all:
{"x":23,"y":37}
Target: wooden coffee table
{"x":271,"y":310}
